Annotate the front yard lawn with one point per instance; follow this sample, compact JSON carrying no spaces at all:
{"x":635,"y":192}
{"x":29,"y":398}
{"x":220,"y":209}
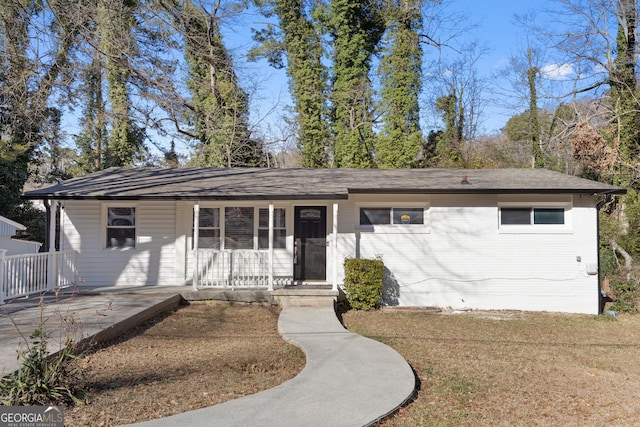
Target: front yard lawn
{"x":200,"y":355}
{"x":513,"y":368}
{"x":474,"y":369}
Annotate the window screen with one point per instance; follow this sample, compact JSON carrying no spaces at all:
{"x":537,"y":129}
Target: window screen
{"x":514,"y":216}
{"x":238,"y":228}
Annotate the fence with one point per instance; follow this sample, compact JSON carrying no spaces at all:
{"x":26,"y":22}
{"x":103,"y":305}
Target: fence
{"x":28,"y":274}
{"x":232,"y":269}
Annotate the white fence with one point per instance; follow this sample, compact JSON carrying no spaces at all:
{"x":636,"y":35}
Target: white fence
{"x":231,"y":269}
{"x":22,"y":275}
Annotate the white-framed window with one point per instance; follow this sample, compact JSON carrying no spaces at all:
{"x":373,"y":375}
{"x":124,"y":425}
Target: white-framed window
{"x":279,"y":228}
{"x":120,"y":226}
{"x":229,"y":227}
{"x":209,"y":228}
{"x":401,"y":218}
{"x":529,"y":216}
{"x":533,"y":218}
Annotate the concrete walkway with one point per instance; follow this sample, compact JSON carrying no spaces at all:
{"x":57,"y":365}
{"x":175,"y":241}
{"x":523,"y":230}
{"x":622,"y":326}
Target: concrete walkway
{"x":348,"y":381}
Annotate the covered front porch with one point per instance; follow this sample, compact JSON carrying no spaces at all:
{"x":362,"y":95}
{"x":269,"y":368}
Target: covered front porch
{"x":306,"y":256}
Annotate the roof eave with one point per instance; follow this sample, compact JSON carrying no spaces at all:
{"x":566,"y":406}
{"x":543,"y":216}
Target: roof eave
{"x":337,"y":196}
{"x":490,"y":191}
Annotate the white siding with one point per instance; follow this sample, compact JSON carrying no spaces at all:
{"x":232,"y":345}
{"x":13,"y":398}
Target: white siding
{"x":460,"y":258}
{"x":9,"y":228}
{"x":464,"y":261}
{"x":19,"y":247}
{"x":151,"y":262}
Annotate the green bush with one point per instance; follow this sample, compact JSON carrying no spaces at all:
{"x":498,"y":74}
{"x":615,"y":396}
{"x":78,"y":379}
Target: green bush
{"x":363,"y":282}
{"x":41,"y":379}
{"x":625,"y":296}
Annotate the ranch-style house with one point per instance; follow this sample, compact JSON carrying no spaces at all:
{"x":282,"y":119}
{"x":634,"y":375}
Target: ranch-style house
{"x":521,"y":239}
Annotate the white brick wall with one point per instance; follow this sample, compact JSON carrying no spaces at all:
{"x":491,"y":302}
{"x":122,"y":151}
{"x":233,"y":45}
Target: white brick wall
{"x":459,"y":258}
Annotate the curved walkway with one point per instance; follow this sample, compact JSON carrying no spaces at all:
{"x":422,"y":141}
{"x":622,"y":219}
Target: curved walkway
{"x":349,"y":380}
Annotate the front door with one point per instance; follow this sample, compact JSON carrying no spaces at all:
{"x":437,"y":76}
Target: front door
{"x":310,"y":243}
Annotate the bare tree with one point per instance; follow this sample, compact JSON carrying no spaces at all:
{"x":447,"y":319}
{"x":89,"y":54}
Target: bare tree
{"x":459,"y":78}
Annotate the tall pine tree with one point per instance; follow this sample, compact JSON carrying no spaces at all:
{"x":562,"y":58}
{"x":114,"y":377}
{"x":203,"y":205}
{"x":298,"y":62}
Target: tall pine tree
{"x":308,"y":77}
{"x":115,"y":25}
{"x":401,"y":139}
{"x":357,"y":27}
{"x":298,"y":38}
{"x":219,"y":108}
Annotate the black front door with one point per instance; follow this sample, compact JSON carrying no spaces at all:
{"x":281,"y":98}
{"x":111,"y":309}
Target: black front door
{"x":310,"y":243}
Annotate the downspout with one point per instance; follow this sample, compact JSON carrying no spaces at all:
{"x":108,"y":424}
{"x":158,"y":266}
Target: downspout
{"x":601,"y":295}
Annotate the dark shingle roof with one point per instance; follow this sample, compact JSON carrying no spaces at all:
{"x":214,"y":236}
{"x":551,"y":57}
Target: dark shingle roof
{"x":279,"y":184}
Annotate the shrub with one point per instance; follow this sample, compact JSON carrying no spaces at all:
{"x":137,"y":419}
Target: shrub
{"x":363,"y":282}
{"x":625,"y":296}
{"x":41,"y":379}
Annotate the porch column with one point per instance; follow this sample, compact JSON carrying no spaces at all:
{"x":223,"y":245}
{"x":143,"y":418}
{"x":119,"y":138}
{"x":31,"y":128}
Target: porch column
{"x":196,"y":237}
{"x":52,"y":265}
{"x":3,"y":254}
{"x":52,"y":226}
{"x":334,"y":247}
{"x":271,"y":245}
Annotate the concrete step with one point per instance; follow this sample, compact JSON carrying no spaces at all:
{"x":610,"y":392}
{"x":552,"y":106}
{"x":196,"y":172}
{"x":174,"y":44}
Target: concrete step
{"x":306,"y":296}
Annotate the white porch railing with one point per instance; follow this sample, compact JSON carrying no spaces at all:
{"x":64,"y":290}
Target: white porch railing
{"x":231,"y":269}
{"x":23,"y":275}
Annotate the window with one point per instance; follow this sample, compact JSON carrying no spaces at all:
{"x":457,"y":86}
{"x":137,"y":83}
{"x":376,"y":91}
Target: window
{"x":529,"y":216}
{"x":396,"y":216}
{"x":209,"y":228}
{"x":375,"y":216}
{"x":279,"y":229}
{"x":121,"y":227}
{"x":408,"y":216}
{"x":515,"y":216}
{"x":238,"y":228}
{"x":548,"y":216}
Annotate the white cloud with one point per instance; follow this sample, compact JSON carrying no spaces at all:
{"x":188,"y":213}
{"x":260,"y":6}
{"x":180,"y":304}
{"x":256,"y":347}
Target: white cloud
{"x":557,"y":71}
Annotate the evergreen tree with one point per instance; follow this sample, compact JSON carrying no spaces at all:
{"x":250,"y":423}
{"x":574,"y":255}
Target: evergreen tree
{"x":357,"y":27}
{"x":532,"y":72}
{"x":27,"y":80}
{"x":219,"y":110}
{"x":401,"y":73}
{"x":92,"y":140}
{"x":308,"y":77}
{"x":624,"y":131}
{"x":449,"y":142}
{"x":115,"y":26}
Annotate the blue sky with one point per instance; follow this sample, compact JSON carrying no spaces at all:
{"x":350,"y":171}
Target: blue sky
{"x":495,"y":25}
{"x":491,"y":22}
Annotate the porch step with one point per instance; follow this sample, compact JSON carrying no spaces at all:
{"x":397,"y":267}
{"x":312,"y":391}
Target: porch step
{"x":238,"y":295}
{"x":306,"y":296}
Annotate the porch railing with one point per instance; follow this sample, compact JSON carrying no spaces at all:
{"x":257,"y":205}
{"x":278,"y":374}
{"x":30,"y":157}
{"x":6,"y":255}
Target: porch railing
{"x":28,"y":274}
{"x":231,"y":269}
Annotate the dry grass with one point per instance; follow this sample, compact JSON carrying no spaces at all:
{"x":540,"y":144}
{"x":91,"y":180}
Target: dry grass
{"x":511,"y":368}
{"x":479,"y":369}
{"x":201,"y":355}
